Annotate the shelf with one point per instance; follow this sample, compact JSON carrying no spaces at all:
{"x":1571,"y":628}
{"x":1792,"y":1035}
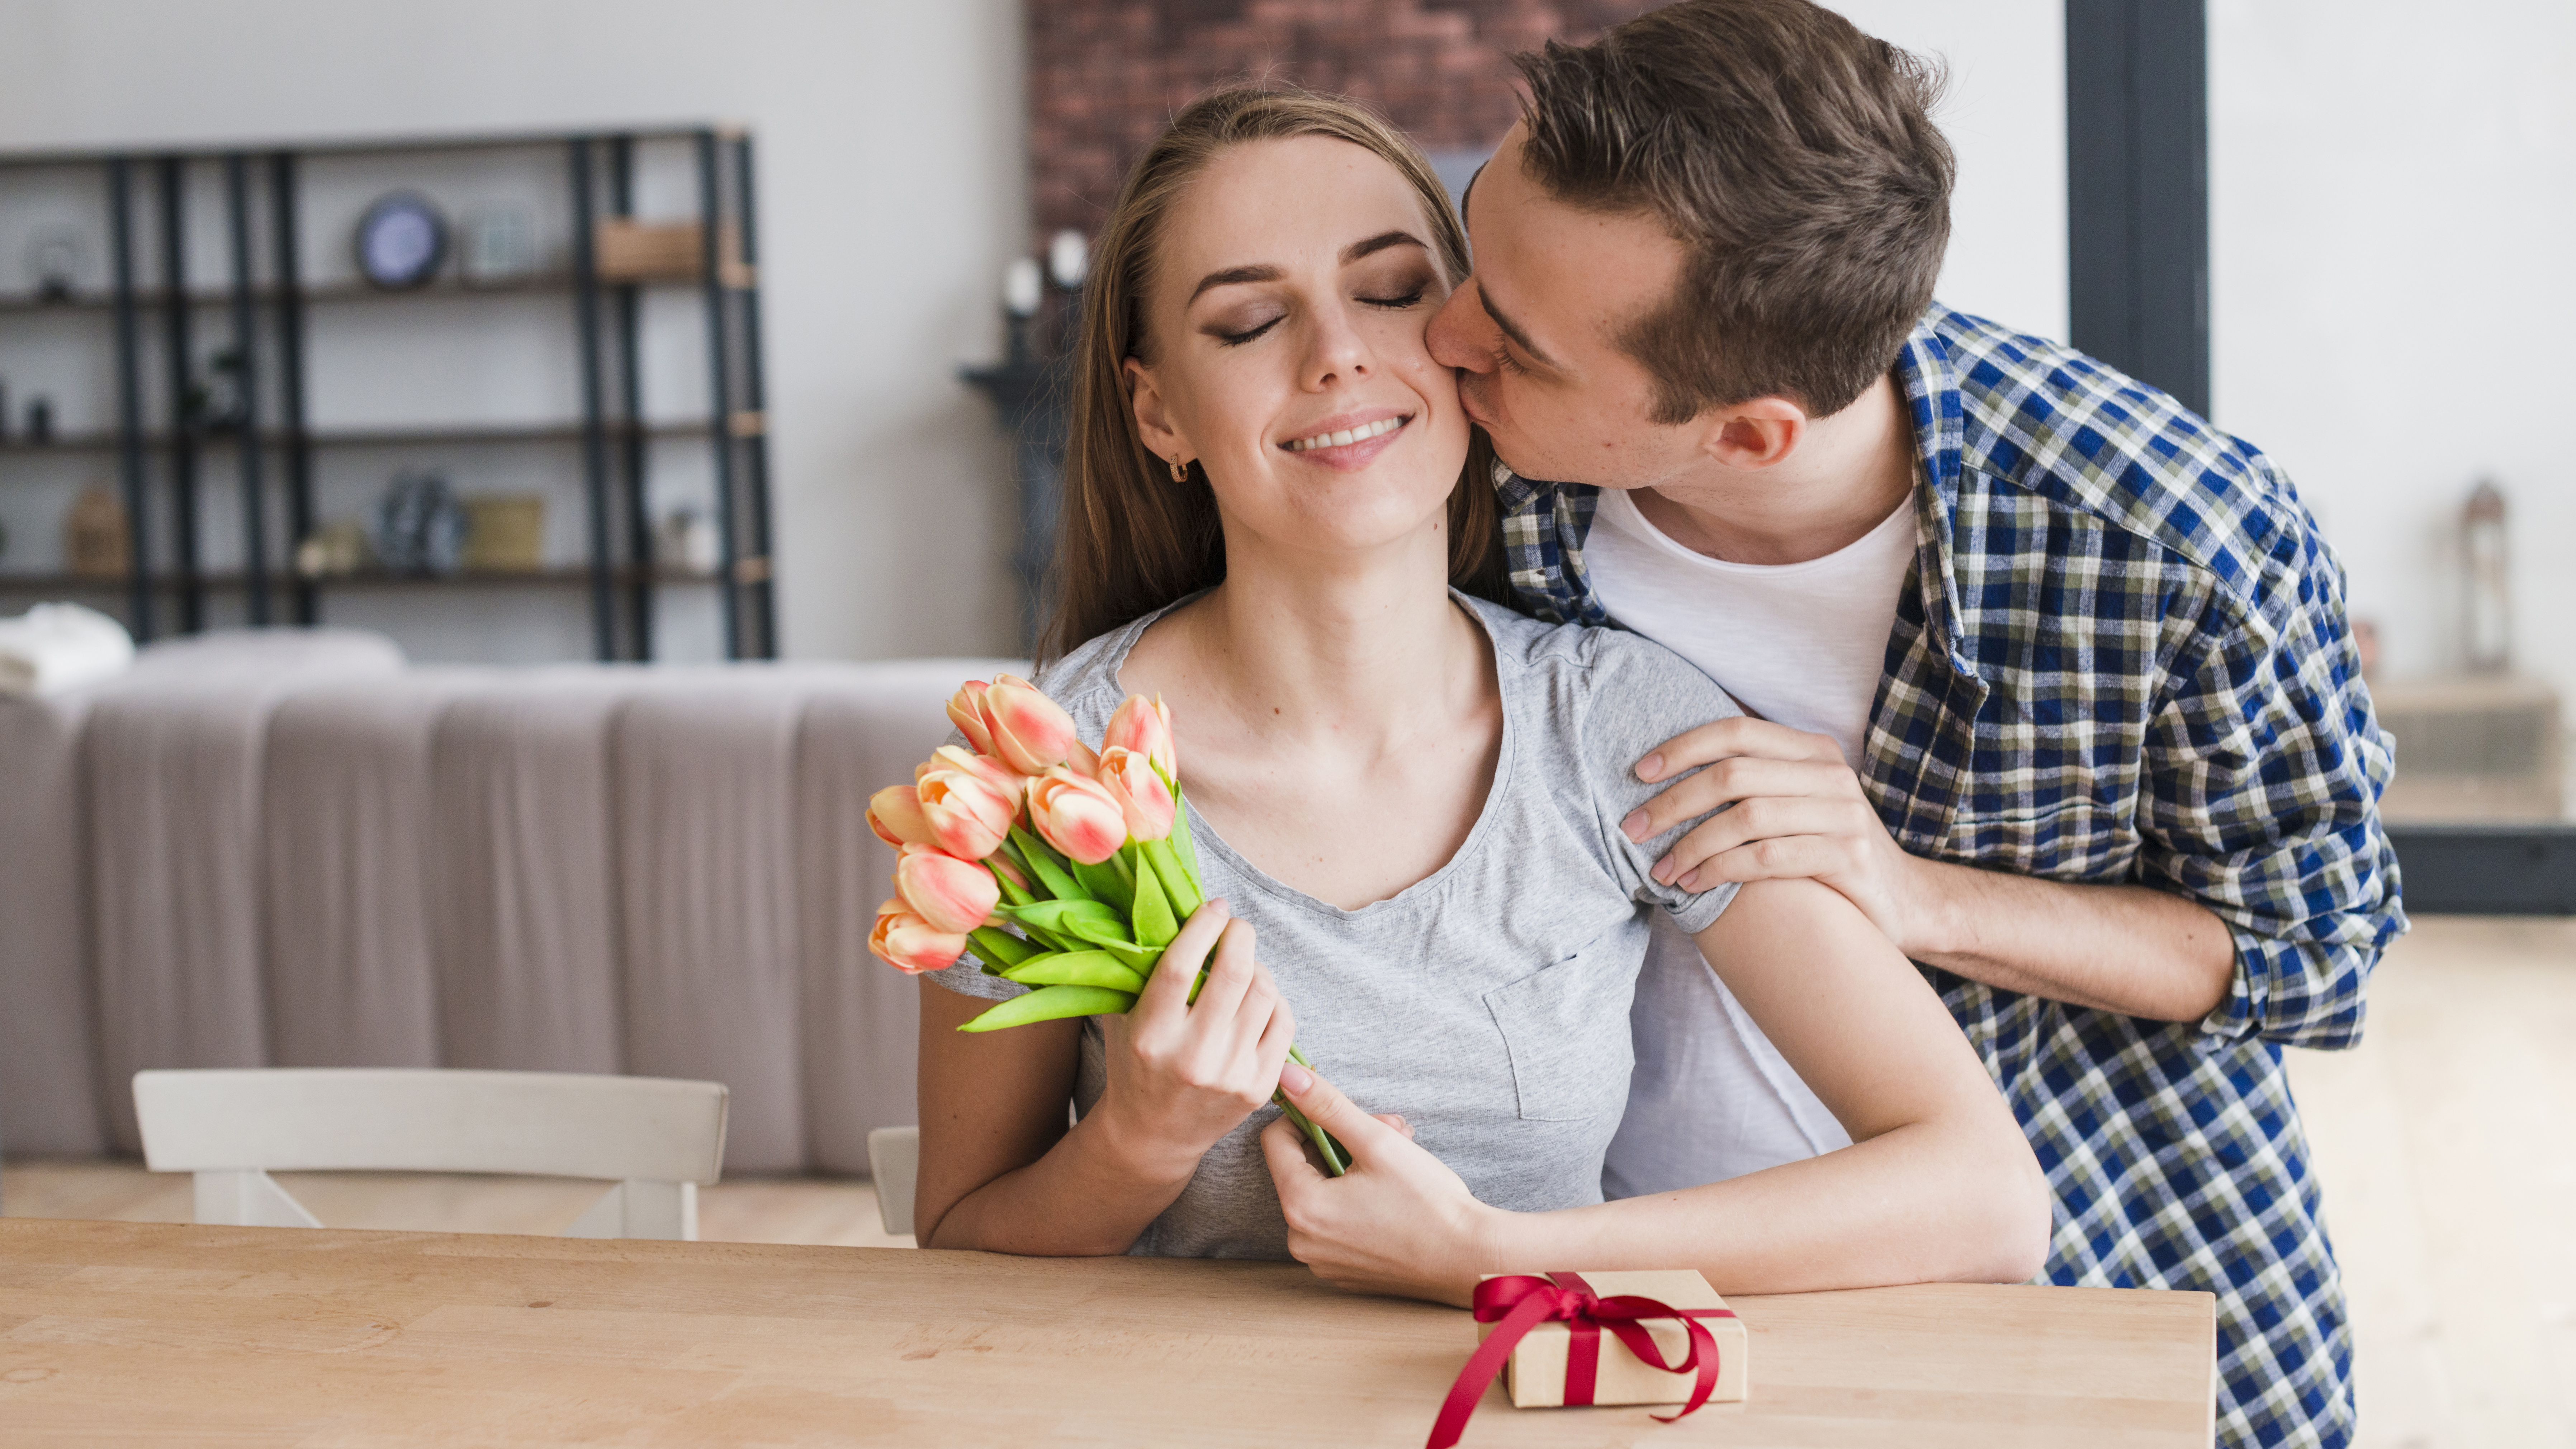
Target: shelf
{"x":13,"y":583}
{"x":738,"y":277}
{"x":743,"y":425}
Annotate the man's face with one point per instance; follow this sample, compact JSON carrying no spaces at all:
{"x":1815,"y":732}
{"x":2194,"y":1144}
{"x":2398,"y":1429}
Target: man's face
{"x":1534,"y":334}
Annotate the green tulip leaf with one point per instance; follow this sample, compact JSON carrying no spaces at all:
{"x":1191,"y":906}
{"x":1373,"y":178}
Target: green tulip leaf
{"x":1153,"y":914}
{"x":1103,"y":883}
{"x":1046,"y":867}
{"x":1180,"y":884}
{"x":1139,"y":958}
{"x":1052,"y":1003}
{"x":999,"y":949}
{"x":1077,"y":968}
{"x":1086,"y":920}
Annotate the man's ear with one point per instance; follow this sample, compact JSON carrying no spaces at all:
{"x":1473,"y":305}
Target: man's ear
{"x":1756,"y":434}
{"x":1153,"y":419}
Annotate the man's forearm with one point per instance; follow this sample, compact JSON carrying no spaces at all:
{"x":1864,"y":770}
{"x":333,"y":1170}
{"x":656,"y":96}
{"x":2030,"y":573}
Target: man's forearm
{"x":2126,"y":948}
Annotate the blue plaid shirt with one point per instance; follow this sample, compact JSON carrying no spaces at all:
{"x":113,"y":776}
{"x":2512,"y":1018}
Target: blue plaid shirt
{"x":2121,"y":655}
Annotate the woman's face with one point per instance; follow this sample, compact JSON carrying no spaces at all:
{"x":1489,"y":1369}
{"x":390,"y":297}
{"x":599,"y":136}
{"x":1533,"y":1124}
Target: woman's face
{"x":1294,"y":282}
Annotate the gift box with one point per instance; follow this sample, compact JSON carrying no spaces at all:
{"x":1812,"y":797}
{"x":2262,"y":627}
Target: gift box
{"x":1546,"y":1368}
{"x":1659,"y":1337}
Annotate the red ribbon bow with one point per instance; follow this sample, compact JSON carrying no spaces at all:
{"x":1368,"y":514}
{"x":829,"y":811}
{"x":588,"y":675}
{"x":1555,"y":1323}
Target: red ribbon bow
{"x":1521,"y":1302}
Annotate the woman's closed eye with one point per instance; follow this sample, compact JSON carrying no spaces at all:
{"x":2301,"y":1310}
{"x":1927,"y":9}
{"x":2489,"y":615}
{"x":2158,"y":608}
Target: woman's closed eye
{"x":1236,"y":331}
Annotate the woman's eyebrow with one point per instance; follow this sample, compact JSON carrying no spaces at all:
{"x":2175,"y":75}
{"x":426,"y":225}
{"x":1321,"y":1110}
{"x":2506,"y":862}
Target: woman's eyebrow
{"x":1232,"y":276}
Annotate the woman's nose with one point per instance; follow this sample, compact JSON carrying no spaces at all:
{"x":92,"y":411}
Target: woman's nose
{"x":1339,"y":352}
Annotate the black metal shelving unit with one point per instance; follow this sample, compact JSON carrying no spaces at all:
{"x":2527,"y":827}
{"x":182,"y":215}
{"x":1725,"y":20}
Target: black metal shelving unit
{"x":265,"y":319}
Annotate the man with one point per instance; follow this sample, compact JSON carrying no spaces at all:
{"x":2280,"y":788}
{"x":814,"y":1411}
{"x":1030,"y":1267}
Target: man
{"x":2056,"y":678}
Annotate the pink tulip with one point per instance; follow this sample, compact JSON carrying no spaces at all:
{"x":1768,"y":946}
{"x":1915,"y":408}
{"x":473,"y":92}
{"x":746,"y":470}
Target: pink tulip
{"x":952,"y":895}
{"x":966,"y":711}
{"x":1145,"y":726}
{"x":1143,"y":799}
{"x":895,"y":814}
{"x":1030,"y":732}
{"x":908,"y":943}
{"x":1002,"y":777}
{"x":1000,"y":865}
{"x":967,"y":815}
{"x":1077,"y":816}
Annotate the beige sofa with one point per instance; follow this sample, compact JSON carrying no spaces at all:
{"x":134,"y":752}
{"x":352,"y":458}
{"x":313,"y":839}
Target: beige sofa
{"x":288,"y":848}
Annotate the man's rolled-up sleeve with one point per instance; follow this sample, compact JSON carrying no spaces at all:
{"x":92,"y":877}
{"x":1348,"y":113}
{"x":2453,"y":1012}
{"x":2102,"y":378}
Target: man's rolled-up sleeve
{"x":2263,"y":774}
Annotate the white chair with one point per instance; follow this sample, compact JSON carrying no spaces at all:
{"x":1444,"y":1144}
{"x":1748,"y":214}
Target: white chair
{"x":655,"y":1138}
{"x":894,"y":1160}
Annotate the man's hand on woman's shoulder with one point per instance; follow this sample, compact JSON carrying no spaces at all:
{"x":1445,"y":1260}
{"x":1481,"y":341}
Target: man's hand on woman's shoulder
{"x":1797,"y":811}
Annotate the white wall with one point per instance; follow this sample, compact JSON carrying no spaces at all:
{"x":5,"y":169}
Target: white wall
{"x":2392,"y":294}
{"x":893,"y":189}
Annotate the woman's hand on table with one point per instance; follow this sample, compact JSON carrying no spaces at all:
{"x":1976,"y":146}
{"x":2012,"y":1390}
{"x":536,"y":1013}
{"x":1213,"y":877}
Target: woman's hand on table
{"x":1182,"y":1074}
{"x":1398,"y":1222}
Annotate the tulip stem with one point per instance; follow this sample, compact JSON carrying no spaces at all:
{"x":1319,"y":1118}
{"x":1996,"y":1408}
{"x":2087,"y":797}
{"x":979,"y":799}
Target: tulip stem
{"x":1337,"y":1158}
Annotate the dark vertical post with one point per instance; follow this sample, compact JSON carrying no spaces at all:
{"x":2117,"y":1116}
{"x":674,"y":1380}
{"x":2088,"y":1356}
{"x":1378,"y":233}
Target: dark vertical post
{"x":720,"y":390}
{"x":755,"y":400}
{"x":594,"y":425}
{"x":254,"y":482}
{"x":129,"y":396}
{"x":630,"y":384}
{"x":183,"y":422}
{"x":2137,"y":192}
{"x":297,"y":439}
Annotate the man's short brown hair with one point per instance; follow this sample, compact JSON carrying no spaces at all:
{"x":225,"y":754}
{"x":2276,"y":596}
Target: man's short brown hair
{"x":1796,"y":161}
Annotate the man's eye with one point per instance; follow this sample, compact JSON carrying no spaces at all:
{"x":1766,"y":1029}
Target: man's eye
{"x":1237,"y":339}
{"x":1505,"y":362}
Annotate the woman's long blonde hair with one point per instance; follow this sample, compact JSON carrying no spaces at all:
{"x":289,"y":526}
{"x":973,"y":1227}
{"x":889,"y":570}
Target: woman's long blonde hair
{"x":1130,"y":537}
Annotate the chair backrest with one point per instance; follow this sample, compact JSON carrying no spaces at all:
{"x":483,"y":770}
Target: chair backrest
{"x":657,"y":1139}
{"x":894,"y":1160}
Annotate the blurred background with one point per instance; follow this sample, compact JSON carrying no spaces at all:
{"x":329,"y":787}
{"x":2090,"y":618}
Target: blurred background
{"x":562,"y":331}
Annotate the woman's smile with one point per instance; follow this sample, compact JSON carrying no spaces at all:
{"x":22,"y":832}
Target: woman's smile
{"x":1349,"y":441}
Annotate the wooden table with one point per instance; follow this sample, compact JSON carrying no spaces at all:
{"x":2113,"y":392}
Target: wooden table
{"x":131,"y":1332}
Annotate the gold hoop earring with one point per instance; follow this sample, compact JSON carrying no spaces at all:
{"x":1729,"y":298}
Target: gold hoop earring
{"x":1180,"y":470}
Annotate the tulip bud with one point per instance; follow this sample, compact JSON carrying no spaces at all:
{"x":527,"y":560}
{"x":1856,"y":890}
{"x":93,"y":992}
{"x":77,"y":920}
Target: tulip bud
{"x":1077,"y":816}
{"x":1145,"y":726}
{"x":966,"y":814}
{"x":1002,"y":777}
{"x":1030,"y":731}
{"x":966,"y":711}
{"x":952,"y":895}
{"x":895,"y":814}
{"x":909,"y":944}
{"x":1142,"y":797}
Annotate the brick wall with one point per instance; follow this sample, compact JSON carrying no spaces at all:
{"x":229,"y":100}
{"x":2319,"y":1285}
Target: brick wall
{"x":1105,"y":75}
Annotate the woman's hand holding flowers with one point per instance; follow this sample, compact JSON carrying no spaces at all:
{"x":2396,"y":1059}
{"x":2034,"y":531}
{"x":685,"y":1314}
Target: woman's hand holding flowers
{"x":1182,"y":1074}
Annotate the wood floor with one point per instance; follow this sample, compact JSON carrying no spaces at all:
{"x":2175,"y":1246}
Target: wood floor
{"x":2446,"y":1143}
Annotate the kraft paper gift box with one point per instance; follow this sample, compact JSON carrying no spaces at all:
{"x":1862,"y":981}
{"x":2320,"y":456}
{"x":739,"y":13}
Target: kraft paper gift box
{"x":1535,"y":1374}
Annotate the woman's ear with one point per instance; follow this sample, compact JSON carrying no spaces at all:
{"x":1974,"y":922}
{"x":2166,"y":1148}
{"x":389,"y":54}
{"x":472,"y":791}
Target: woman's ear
{"x":1153,"y":419}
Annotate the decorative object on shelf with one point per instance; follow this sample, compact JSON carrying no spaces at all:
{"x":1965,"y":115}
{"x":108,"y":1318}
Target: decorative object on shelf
{"x":2489,"y":611}
{"x":57,"y":256}
{"x":334,"y":548}
{"x":500,"y":247}
{"x":401,"y":240}
{"x":40,"y":420}
{"x":95,"y":541}
{"x":626,"y":250}
{"x":1576,"y":1339}
{"x":220,"y":404}
{"x":420,"y":526}
{"x":506,"y":533}
{"x":1023,"y":291}
{"x":1068,"y":258}
{"x":687,"y":541}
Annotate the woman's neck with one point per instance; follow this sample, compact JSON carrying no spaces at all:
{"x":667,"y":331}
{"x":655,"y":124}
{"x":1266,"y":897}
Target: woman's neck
{"x":1369,"y":652}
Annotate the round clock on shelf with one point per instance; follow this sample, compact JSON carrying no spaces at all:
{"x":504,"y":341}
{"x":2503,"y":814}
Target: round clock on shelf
{"x":401,"y":241}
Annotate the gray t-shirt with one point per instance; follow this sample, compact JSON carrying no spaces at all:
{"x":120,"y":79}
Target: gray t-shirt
{"x":1489,"y":1002}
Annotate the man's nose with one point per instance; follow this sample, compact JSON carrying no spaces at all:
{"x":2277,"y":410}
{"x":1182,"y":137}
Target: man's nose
{"x":1455,"y":329}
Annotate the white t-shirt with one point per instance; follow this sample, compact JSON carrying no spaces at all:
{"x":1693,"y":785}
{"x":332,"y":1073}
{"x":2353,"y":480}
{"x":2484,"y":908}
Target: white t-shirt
{"x":1801,"y":644}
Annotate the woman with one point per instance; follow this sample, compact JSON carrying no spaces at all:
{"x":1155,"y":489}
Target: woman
{"x":1414,"y":796}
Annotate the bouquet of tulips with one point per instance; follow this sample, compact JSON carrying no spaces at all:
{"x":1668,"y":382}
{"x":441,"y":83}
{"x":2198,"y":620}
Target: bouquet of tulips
{"x":1086,"y":853}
